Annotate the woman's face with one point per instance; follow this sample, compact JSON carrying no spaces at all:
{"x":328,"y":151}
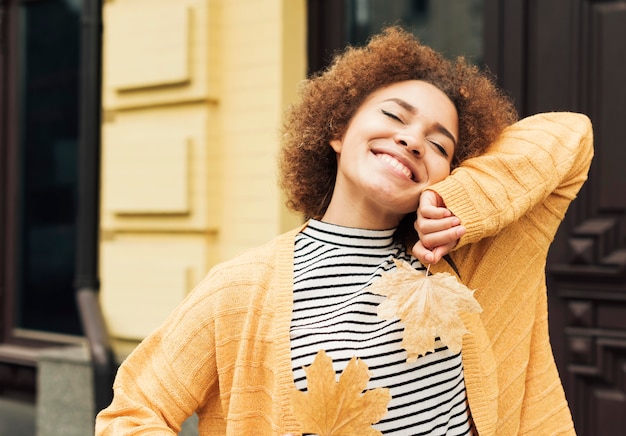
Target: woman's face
{"x":399,"y":141}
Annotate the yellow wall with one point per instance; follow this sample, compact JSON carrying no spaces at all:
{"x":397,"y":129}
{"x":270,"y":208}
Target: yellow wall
{"x":193,"y":95}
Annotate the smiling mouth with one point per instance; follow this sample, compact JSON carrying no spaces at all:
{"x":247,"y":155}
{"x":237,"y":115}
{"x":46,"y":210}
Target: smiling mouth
{"x":396,"y":165}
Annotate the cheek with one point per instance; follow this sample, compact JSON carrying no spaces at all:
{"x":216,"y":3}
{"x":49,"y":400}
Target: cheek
{"x":440,"y":171}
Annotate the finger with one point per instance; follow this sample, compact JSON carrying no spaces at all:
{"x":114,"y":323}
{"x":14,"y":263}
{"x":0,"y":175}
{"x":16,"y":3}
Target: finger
{"x":431,"y":201}
{"x":425,"y":225}
{"x":428,"y":207}
{"x":431,"y":212}
{"x":443,"y":237}
{"x":421,"y":253}
{"x":431,"y":198}
{"x":431,"y":257}
{"x":439,"y":252}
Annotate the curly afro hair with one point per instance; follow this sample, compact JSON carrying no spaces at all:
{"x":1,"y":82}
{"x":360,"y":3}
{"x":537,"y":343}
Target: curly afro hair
{"x":328,"y":100}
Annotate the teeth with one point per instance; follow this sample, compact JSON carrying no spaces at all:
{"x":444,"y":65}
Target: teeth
{"x":395,"y":163}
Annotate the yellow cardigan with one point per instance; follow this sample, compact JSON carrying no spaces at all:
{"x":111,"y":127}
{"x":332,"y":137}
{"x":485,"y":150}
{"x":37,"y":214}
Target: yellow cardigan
{"x":224,"y":353}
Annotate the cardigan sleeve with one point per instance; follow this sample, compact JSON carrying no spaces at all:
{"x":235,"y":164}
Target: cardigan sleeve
{"x":223,"y":353}
{"x":511,"y":200}
{"x":167,"y":376}
{"x":544,"y":406}
{"x":544,"y":155}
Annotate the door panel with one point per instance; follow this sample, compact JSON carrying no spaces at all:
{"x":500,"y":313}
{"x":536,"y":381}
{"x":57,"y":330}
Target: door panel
{"x":576,"y":61}
{"x":608,"y":102}
{"x":571,"y":55}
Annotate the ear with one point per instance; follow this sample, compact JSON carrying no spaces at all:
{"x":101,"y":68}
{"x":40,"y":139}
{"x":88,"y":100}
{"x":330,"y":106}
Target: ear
{"x":336,"y":144}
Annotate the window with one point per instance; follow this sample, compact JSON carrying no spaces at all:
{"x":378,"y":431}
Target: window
{"x":44,"y":64}
{"x":452,"y":27}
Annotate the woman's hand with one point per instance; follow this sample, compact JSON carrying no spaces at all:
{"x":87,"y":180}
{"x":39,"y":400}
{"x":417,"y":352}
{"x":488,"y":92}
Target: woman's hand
{"x":438,"y":229}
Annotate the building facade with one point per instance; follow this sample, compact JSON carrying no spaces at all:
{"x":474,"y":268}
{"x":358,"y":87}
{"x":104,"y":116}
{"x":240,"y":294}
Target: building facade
{"x":192,"y":100}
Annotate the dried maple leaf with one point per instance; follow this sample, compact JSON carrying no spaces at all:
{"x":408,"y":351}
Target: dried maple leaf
{"x":331,"y":408}
{"x":428,"y":305}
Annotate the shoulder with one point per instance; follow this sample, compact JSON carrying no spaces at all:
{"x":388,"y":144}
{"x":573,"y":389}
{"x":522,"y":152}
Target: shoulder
{"x":572,"y":120}
{"x":566,"y":129}
{"x":252,"y":271}
{"x":258,"y":260}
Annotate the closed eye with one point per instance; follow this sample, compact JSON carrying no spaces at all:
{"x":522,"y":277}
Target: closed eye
{"x":391,"y":115}
{"x":440,"y":147}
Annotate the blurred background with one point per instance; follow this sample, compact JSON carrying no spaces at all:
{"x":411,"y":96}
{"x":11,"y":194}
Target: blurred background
{"x":138,"y":141}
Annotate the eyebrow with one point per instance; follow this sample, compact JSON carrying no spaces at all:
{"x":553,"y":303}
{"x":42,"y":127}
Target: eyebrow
{"x":438,"y":126}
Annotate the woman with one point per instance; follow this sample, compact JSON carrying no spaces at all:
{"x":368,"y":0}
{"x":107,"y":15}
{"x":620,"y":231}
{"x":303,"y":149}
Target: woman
{"x":373,"y":140}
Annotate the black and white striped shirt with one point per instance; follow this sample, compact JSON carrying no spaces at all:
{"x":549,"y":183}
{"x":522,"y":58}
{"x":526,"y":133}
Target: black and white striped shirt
{"x":333,"y":311}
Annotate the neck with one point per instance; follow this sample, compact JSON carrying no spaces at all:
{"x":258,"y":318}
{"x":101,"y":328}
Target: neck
{"x":349,"y":215}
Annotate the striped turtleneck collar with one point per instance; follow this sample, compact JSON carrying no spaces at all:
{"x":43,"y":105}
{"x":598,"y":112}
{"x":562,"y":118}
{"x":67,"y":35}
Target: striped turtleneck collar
{"x":349,"y":236}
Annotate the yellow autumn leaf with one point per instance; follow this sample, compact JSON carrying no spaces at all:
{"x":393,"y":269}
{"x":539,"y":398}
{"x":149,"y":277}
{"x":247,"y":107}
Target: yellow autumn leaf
{"x":331,"y":408}
{"x":428,"y":305}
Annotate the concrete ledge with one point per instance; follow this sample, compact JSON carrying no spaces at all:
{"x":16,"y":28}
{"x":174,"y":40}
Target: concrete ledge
{"x":65,"y":397}
{"x":17,"y":418}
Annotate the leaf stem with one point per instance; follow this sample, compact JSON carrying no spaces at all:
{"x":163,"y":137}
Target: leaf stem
{"x":427,"y":270}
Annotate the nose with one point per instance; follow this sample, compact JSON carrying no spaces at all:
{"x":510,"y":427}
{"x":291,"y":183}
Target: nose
{"x":413,"y":141}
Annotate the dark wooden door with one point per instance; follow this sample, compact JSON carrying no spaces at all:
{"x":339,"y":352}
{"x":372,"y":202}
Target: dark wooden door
{"x":562,"y":55}
{"x":571,"y":55}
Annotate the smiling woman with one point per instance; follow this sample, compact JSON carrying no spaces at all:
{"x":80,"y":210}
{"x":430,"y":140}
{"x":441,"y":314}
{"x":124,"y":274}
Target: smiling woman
{"x":367,"y":157}
{"x":400,"y":141}
{"x":329,"y":102}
